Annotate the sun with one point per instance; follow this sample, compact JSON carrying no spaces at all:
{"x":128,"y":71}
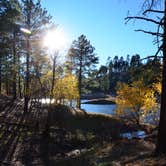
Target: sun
{"x":55,"y":40}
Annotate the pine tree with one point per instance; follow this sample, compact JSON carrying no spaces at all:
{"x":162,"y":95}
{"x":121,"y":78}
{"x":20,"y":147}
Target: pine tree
{"x":83,"y":59}
{"x":34,"y":19}
{"x":9,"y":15}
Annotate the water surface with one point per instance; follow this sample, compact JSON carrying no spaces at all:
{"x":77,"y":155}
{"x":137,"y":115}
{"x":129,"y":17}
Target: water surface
{"x":99,"y":108}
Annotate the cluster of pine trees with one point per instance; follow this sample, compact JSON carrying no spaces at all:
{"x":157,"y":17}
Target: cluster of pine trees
{"x":126,"y":70}
{"x":26,"y":68}
{"x":22,"y":59}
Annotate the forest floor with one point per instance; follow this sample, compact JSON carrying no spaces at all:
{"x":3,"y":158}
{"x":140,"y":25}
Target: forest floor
{"x":74,"y":138}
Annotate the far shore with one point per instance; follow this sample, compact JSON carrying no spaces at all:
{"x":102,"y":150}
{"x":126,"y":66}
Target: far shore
{"x":99,"y":99}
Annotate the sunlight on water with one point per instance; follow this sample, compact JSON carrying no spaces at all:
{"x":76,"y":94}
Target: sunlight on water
{"x":47,"y":101}
{"x":135,"y":134}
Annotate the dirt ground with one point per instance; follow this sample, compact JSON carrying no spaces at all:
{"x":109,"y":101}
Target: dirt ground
{"x":74,"y":138}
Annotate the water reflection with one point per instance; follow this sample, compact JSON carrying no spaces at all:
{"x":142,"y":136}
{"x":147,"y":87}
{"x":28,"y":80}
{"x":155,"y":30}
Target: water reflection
{"x":91,"y":108}
{"x":135,"y":134}
{"x":47,"y":101}
{"x":99,"y":108}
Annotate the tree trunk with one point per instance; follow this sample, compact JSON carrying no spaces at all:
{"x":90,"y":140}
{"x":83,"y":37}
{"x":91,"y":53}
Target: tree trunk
{"x":161,"y":142}
{"x":14,"y":66}
{"x":53,"y":78}
{"x":80,"y":83}
{"x":27,"y":92}
{"x":7,"y":77}
{"x":19,"y":79}
{"x":27,"y":97}
{"x":0,"y":74}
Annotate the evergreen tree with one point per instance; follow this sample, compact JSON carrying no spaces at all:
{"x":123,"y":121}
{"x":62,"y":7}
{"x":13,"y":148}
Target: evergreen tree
{"x":34,"y":19}
{"x":9,"y":15}
{"x":83,"y":58}
{"x":103,"y":79}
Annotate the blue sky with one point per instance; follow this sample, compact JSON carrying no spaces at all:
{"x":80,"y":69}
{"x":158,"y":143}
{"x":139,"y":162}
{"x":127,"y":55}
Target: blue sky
{"x":102,"y":21}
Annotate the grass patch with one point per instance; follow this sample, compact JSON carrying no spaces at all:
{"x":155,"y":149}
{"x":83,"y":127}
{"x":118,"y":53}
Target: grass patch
{"x":101,"y":125}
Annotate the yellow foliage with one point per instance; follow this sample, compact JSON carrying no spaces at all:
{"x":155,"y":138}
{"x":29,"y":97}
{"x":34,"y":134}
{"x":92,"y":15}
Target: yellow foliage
{"x":66,"y":88}
{"x":157,"y":86}
{"x":136,"y":97}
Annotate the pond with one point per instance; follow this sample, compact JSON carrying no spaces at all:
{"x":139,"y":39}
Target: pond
{"x":151,"y":118}
{"x":99,"y":108}
{"x":135,"y":134}
{"x":91,"y":108}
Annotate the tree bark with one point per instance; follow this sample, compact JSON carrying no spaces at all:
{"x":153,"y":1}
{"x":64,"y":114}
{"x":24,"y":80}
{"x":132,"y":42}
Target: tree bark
{"x":27,"y":92}
{"x":80,"y":83}
{"x":19,"y":79}
{"x":14,"y":66}
{"x":27,"y":96}
{"x":161,"y":142}
{"x":53,"y":78}
{"x":6,"y":77}
{"x":0,"y":74}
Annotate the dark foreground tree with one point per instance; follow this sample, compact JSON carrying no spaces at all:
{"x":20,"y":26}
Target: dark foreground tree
{"x":34,"y":19}
{"x":83,"y":60}
{"x":161,"y":143}
{"x":9,"y":15}
{"x":152,"y":7}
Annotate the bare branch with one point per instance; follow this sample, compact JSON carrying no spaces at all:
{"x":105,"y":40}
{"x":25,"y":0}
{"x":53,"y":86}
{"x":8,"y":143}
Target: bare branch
{"x":142,"y":18}
{"x":148,"y":32}
{"x":153,"y":11}
{"x":157,"y":38}
{"x":154,"y":56}
{"x":157,"y":41}
{"x":152,"y":3}
{"x":159,"y":49}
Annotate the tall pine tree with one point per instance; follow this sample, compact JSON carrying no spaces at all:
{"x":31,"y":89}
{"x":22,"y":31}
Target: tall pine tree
{"x":83,"y":58}
{"x":34,"y":19}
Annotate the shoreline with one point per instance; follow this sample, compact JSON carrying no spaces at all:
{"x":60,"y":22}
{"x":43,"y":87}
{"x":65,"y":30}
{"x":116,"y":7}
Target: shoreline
{"x":100,"y":101}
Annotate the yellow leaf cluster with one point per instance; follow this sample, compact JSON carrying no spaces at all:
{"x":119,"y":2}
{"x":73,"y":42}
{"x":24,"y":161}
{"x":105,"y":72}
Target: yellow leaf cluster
{"x":66,"y":88}
{"x":157,"y":86}
{"x":136,"y":97}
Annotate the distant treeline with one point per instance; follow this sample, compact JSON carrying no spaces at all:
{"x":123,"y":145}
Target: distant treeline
{"x":120,"y":69}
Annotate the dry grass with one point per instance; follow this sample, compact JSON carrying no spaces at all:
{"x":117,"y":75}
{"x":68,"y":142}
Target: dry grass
{"x":76,"y":139}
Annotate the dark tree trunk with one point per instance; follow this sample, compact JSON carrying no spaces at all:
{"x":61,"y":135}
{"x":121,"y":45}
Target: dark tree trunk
{"x":7,"y":77}
{"x":80,"y":83}
{"x":14,"y":66}
{"x":19,"y":79}
{"x":0,"y":74}
{"x":161,"y":142}
{"x":27,"y":95}
{"x":27,"y":90}
{"x":53,"y":78}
